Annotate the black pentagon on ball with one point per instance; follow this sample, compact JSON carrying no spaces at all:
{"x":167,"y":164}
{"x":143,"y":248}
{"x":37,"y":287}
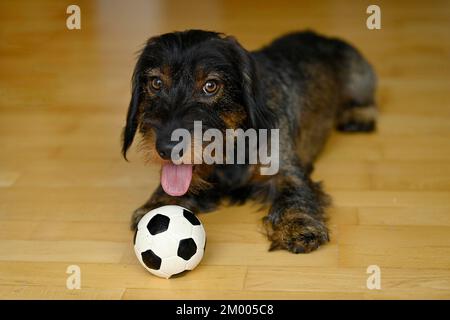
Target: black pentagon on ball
{"x":151,"y":260}
{"x":158,"y":224}
{"x":186,"y":248}
{"x":191,"y":217}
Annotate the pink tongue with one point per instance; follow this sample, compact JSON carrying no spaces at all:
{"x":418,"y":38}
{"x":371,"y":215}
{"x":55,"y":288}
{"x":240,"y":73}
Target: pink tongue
{"x":175,"y":179}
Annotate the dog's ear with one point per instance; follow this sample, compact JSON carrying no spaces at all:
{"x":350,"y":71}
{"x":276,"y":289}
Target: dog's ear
{"x":131,"y":125}
{"x":260,"y":116}
{"x":137,"y":91}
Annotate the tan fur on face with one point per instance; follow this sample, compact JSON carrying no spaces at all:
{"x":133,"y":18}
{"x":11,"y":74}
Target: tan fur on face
{"x":146,"y":148}
{"x":234,"y":120}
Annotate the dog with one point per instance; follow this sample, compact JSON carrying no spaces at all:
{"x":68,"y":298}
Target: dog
{"x":303,"y":84}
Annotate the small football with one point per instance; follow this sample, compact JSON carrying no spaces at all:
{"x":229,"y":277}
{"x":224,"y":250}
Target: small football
{"x":169,"y":240}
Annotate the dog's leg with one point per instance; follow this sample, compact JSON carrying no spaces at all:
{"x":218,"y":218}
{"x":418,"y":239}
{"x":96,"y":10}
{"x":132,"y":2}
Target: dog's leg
{"x":358,"y":112}
{"x":357,"y":118}
{"x":203,"y":201}
{"x":296,"y":220}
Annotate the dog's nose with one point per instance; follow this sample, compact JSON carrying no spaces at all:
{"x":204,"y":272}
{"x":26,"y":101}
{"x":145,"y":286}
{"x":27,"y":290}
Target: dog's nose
{"x":164,"y":149}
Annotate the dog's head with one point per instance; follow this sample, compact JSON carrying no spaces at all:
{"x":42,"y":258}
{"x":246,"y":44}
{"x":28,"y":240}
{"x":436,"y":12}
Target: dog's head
{"x":189,"y":76}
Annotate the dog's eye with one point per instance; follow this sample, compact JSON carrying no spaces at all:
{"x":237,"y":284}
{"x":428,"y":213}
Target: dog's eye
{"x":210,"y":87}
{"x":156,"y":83}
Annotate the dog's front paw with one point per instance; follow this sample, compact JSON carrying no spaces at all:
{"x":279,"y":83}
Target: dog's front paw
{"x":296,"y":232}
{"x":137,"y":216}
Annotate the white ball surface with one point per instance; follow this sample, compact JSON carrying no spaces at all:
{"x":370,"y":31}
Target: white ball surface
{"x":169,"y":240}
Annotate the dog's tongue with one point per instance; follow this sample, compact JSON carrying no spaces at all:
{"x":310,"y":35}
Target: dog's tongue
{"x":175,"y":179}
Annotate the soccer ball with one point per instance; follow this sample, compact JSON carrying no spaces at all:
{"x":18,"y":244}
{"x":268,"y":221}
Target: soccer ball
{"x":169,"y":240}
